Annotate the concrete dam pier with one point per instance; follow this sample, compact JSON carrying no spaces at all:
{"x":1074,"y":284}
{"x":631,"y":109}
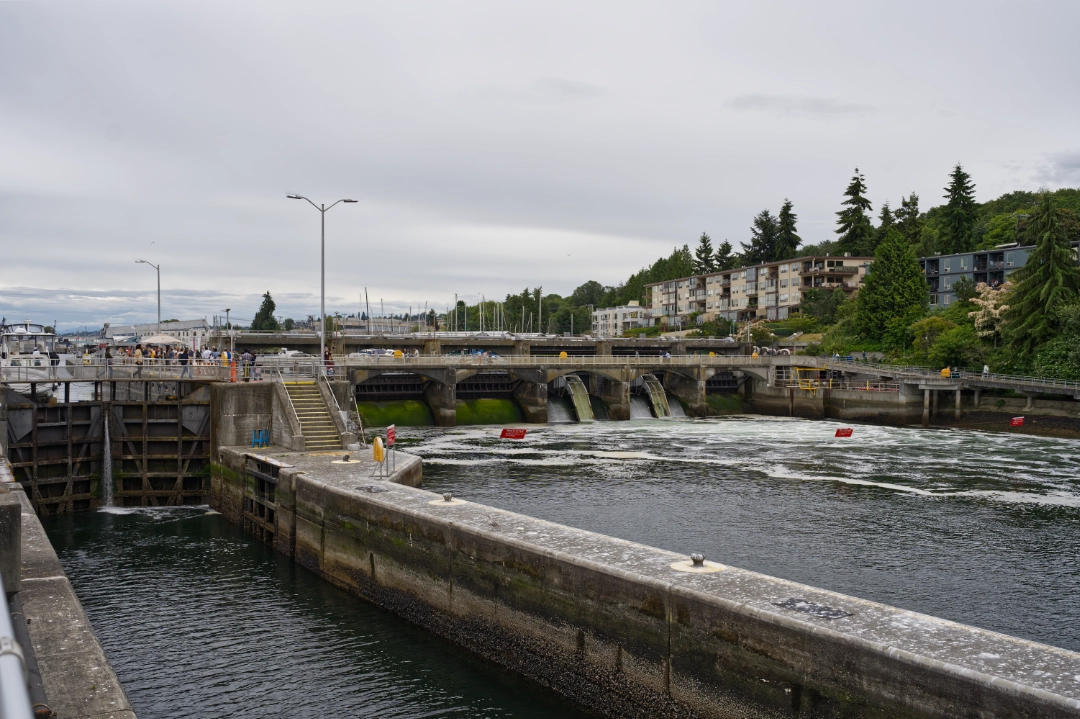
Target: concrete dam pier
{"x":624,"y":629}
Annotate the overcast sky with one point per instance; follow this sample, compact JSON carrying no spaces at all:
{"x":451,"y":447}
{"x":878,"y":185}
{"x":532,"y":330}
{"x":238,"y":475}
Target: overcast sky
{"x":491,"y":146}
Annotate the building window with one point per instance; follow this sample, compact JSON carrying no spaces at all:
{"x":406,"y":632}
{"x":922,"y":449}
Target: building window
{"x":783,"y":283}
{"x":963,"y":264}
{"x":1008,"y":259}
{"x":783,"y":268}
{"x":945,"y":264}
{"x":763,"y":271}
{"x":945,"y":299}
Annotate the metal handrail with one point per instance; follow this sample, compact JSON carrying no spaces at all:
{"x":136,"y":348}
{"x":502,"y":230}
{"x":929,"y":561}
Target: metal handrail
{"x":291,"y":405}
{"x":584,"y":361}
{"x":969,"y":374}
{"x":14,"y":692}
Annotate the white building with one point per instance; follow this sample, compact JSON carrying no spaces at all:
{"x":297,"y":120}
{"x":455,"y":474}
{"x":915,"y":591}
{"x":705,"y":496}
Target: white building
{"x":191,"y":332}
{"x":614,"y":321}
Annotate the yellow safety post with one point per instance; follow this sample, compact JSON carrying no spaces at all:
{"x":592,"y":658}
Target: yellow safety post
{"x":563,"y":355}
{"x":398,"y":354}
{"x":377,"y":451}
{"x":712,"y":354}
{"x":946,"y":373}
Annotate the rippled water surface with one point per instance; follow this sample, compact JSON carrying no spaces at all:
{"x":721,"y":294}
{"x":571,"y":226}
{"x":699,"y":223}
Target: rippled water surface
{"x":976,"y":527}
{"x":200,"y":621}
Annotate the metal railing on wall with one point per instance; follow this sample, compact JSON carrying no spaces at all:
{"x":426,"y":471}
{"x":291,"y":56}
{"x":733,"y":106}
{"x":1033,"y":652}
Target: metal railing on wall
{"x":14,"y":690}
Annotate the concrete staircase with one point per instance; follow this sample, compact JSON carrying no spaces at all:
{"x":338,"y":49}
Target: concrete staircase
{"x":316,"y":424}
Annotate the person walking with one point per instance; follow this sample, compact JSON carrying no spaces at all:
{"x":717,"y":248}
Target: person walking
{"x":108,"y":362}
{"x":183,"y":359}
{"x":138,"y":355}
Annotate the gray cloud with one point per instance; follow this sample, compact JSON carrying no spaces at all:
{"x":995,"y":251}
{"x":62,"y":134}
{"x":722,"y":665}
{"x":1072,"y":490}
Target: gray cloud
{"x":1061,"y":168}
{"x":491,"y":146}
{"x":792,"y":105}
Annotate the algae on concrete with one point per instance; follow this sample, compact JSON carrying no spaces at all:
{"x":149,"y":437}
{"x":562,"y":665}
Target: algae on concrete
{"x":402,"y":412}
{"x":720,"y":404}
{"x":488,"y":411}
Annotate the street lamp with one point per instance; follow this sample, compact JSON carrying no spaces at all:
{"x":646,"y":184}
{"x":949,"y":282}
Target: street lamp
{"x":158,"y":268}
{"x":322,"y":293}
{"x":228,"y":328}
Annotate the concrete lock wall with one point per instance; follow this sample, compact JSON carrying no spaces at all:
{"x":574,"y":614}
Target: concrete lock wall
{"x":613,"y":625}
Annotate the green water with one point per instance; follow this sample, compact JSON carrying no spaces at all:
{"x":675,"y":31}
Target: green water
{"x":200,"y":621}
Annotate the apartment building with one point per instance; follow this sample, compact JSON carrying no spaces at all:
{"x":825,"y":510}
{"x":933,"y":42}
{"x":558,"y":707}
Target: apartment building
{"x":191,"y":332}
{"x":989,"y":266}
{"x":614,"y":321}
{"x":768,"y":291}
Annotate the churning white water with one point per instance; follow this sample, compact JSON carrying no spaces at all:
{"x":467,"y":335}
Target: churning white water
{"x":106,"y":461}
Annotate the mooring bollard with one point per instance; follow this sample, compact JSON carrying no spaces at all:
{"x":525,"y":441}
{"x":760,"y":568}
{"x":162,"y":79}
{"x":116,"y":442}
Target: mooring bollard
{"x":698,"y":559}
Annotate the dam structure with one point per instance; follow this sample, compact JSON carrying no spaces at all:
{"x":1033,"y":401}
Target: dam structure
{"x":622,"y":629}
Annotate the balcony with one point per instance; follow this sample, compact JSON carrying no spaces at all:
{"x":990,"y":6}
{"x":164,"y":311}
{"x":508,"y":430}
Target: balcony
{"x":829,"y":271}
{"x":751,"y":288}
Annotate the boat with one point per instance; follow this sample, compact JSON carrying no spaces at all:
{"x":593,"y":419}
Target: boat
{"x":28,"y":357}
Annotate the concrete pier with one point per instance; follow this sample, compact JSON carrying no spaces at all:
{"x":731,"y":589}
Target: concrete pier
{"x":623,"y":628}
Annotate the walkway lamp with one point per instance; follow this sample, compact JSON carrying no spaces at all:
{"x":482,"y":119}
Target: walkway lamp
{"x":158,"y":268}
{"x":322,"y":293}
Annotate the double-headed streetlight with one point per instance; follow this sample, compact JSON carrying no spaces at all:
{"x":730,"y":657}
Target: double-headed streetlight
{"x":322,"y":295}
{"x":158,"y":268}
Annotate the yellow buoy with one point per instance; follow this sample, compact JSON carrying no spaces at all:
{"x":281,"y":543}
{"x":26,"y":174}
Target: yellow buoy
{"x":377,"y":451}
{"x":563,"y":355}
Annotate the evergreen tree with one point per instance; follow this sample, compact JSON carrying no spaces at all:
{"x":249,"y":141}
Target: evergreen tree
{"x":788,"y":240}
{"x":1049,"y":279}
{"x":264,"y":318}
{"x":723,"y":259}
{"x":959,"y":215}
{"x":908,"y":220}
{"x":763,"y":237}
{"x":895,"y":294}
{"x":853,"y":225}
{"x":886,"y":221}
{"x":703,"y":256}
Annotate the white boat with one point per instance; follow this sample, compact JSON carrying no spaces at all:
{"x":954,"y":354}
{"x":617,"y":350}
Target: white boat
{"x":28,"y":355}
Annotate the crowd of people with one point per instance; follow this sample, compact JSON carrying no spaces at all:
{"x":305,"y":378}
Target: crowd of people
{"x":187,"y":359}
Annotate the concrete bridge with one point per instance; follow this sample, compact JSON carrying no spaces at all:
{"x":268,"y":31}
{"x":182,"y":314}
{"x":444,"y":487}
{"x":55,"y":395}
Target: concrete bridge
{"x":609,"y":378}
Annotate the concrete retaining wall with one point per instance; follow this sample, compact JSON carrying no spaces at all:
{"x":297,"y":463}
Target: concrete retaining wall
{"x":614,"y":626}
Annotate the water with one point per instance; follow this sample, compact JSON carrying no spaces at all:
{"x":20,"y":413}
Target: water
{"x":106,"y":460}
{"x":976,"y":527}
{"x":675,"y":407}
{"x":580,"y":397}
{"x":201,"y":621}
{"x":639,"y":407}
{"x":657,"y":396}
{"x":560,"y":410}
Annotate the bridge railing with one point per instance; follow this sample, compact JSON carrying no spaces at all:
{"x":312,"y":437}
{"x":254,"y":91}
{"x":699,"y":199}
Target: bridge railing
{"x":554,"y":360}
{"x":121,"y":368}
{"x":968,"y":374}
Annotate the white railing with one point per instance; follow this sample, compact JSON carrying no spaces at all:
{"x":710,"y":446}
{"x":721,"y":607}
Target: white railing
{"x":14,"y":693}
{"x":970,"y":375}
{"x":585,"y":361}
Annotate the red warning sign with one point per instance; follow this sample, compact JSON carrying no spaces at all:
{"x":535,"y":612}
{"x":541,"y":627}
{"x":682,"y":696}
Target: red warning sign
{"x":844,"y":431}
{"x":1017,"y":422}
{"x":513,"y":434}
{"x":391,"y":435}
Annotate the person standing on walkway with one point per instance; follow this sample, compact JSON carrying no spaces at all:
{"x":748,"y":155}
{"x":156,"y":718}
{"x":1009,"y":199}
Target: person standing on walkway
{"x":183,"y":358}
{"x":138,"y":355}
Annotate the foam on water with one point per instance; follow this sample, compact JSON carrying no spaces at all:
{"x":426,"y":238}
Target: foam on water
{"x":977,"y":527}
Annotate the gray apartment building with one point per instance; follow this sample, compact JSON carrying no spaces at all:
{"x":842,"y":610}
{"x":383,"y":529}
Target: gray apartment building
{"x":990,"y":266}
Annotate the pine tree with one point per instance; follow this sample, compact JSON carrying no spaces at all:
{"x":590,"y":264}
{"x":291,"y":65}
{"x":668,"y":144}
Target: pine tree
{"x":959,"y":214}
{"x":908,"y":220}
{"x":854,"y":227}
{"x":787,"y":240}
{"x":703,"y":256}
{"x":895,"y":293}
{"x":723,"y":259}
{"x":1049,"y":279}
{"x":763,"y":237}
{"x":886,"y":221}
{"x":264,"y":318}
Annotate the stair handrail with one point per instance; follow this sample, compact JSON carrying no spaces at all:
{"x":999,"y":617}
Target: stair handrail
{"x":281,"y":379}
{"x":337,"y":405}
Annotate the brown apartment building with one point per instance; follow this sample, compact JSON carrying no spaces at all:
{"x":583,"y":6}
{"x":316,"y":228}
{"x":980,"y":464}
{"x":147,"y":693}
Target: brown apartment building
{"x":768,"y":291}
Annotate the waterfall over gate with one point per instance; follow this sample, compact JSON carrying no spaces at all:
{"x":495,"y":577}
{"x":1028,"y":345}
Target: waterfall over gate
{"x":580,"y":395}
{"x":657,"y":396}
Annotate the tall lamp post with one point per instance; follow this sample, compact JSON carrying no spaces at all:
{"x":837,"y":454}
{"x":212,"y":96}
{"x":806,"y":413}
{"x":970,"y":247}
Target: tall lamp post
{"x":228,"y":328}
{"x":158,"y":268}
{"x":322,"y":291}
